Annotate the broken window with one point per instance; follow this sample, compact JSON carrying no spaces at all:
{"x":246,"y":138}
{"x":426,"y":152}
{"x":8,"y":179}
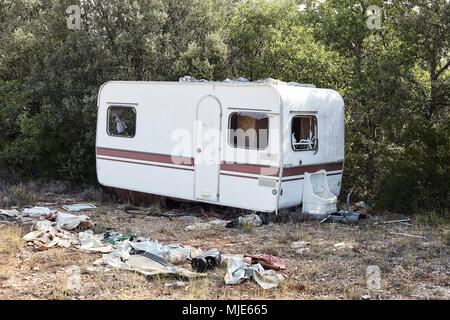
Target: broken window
{"x":249,"y":130}
{"x":304,"y":133}
{"x":122,"y":121}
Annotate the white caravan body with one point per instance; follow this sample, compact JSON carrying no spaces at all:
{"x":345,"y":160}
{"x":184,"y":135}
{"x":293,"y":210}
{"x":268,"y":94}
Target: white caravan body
{"x":167,"y":154}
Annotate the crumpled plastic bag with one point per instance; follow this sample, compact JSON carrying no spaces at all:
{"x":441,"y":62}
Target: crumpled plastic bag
{"x":252,"y":219}
{"x":239,"y":271}
{"x":69,"y":221}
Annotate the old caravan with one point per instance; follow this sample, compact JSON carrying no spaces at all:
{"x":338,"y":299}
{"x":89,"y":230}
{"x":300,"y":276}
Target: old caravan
{"x":245,"y":145}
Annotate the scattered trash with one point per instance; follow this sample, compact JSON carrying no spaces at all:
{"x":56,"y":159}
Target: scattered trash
{"x":339,"y":245}
{"x":69,"y":221}
{"x":147,"y":264}
{"x":365,"y":297}
{"x":206,"y":225}
{"x":51,"y":216}
{"x":267,"y":261}
{"x":113,"y":237}
{"x":226,"y":257}
{"x":62,"y":220}
{"x":362,"y":205}
{"x":37,"y":211}
{"x":303,"y":251}
{"x":156,"y":258}
{"x":79,"y":207}
{"x":299,"y":244}
{"x":46,"y":236}
{"x":91,"y":242}
{"x":408,"y":235}
{"x":239,"y":271}
{"x":206,"y":260}
{"x":174,"y":253}
{"x":8,"y":218}
{"x":252,"y":219}
{"x":396,"y":221}
{"x":187,"y":217}
{"x":342,"y":216}
{"x":10,"y":213}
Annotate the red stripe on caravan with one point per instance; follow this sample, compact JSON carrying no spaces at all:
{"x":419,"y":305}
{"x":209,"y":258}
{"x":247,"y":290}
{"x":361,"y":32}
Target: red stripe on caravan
{"x":238,"y":176}
{"x":250,"y":168}
{"x":154,"y":157}
{"x":146,"y":164}
{"x":288,"y":172}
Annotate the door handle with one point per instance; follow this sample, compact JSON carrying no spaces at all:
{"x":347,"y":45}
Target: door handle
{"x":199,"y":150}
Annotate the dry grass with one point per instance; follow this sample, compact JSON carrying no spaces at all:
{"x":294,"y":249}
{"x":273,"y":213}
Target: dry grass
{"x":411,"y":268}
{"x":11,"y":243}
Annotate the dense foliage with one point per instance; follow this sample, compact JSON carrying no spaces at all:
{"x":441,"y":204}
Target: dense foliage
{"x":394,"y":77}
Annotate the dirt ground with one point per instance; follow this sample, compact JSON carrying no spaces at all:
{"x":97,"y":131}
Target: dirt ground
{"x":411,"y":268}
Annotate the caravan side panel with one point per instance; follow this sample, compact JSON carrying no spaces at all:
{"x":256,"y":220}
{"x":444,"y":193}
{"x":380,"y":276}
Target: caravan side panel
{"x":150,"y":161}
{"x":327,"y":108}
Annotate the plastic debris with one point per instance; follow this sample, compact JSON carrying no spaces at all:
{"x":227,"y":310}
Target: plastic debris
{"x":362,"y":205}
{"x":120,"y":258}
{"x":46,"y":236}
{"x":10,"y":213}
{"x":304,"y":251}
{"x":206,"y":260}
{"x":343,"y":216}
{"x":206,"y":225}
{"x":239,"y":271}
{"x":226,"y":257}
{"x":252,"y":219}
{"x":299,"y":244}
{"x":69,"y":221}
{"x":91,"y":242}
{"x":113,"y":237}
{"x":339,"y":245}
{"x":267,"y":261}
{"x":37,"y":212}
{"x":79,"y":207}
{"x":7,"y":218}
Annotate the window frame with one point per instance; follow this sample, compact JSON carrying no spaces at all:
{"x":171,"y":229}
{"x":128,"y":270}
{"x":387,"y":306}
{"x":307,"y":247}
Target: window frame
{"x":316,"y":147}
{"x":107,"y":121}
{"x":249,"y":148}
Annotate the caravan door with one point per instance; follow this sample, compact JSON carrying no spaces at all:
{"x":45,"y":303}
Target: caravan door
{"x":207,"y":149}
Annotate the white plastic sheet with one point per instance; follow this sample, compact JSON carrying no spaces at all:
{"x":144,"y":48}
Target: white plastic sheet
{"x":120,"y":258}
{"x":69,"y":221}
{"x":92,"y":242}
{"x":239,"y":271}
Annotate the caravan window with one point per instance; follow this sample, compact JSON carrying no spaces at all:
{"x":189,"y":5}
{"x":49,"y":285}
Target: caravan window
{"x":248,"y":130}
{"x":304,"y":133}
{"x":121,"y":121}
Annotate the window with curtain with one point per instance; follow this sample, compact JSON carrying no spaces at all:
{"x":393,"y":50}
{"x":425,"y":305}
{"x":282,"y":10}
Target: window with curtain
{"x":121,"y":121}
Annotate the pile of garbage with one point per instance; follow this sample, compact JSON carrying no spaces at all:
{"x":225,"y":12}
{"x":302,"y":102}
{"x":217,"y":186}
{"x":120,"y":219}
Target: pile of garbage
{"x":127,"y":251}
